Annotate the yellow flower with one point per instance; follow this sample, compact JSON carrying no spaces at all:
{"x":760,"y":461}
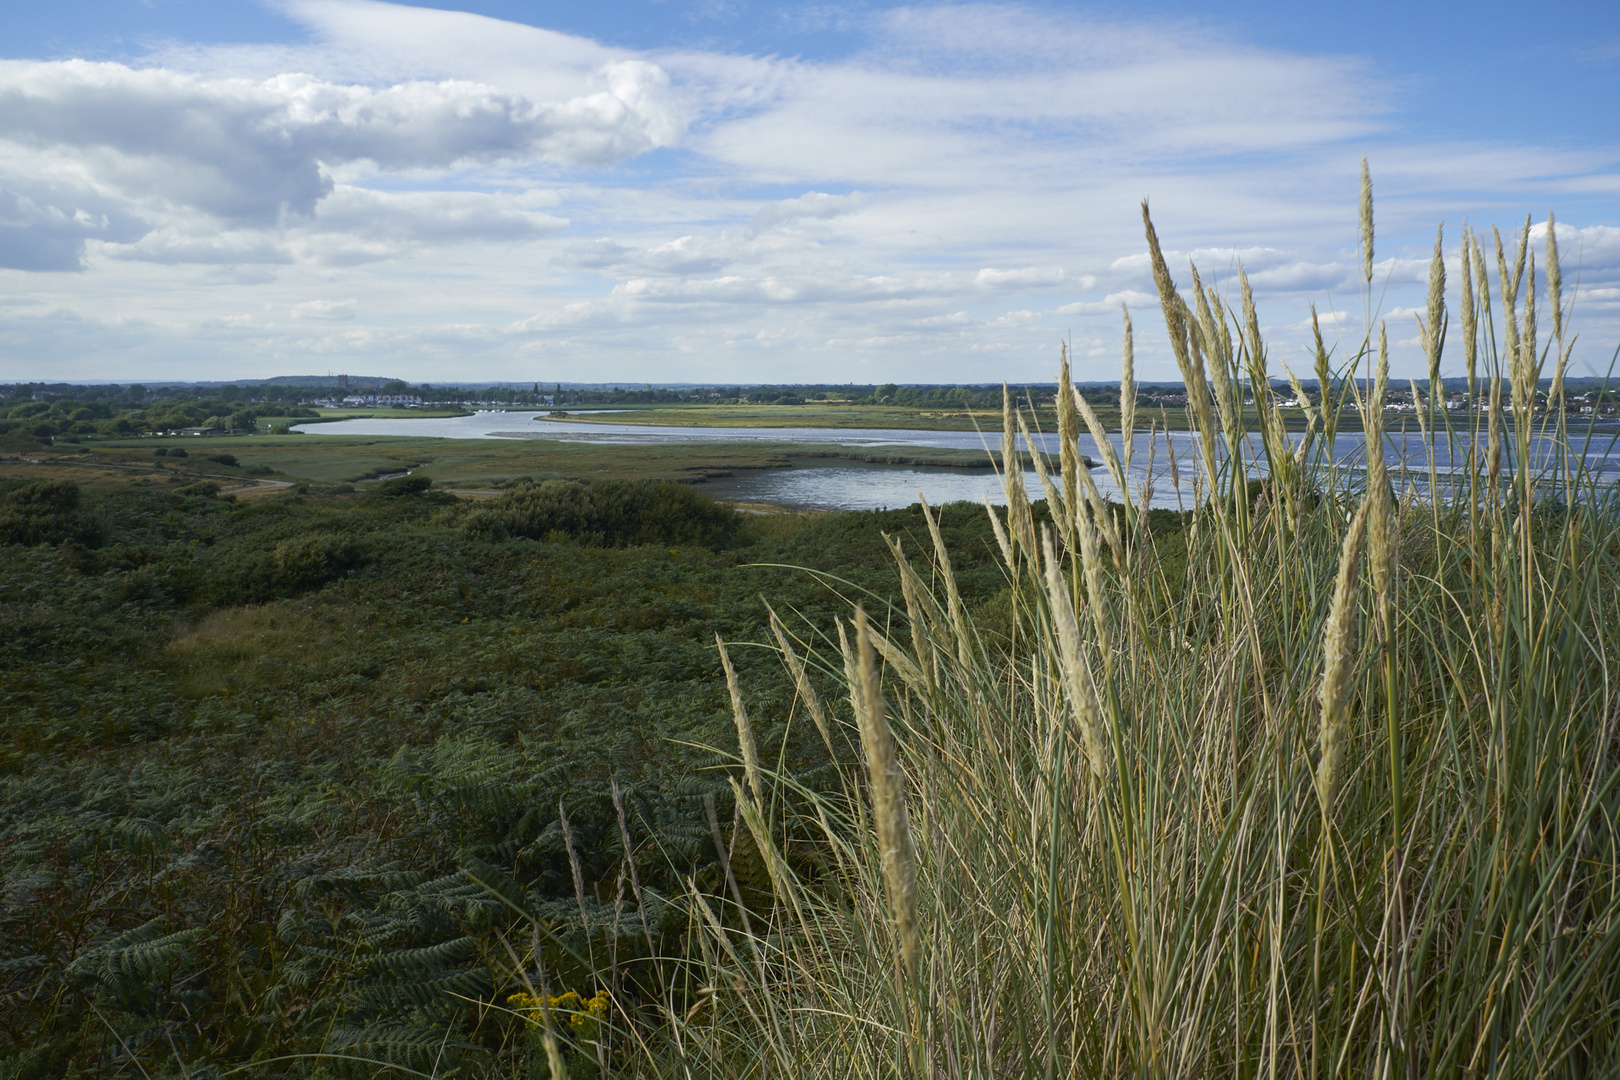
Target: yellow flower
{"x":584,"y":1015}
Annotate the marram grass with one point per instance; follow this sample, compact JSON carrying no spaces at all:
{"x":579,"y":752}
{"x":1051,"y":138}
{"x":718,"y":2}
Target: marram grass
{"x":1324,"y":785}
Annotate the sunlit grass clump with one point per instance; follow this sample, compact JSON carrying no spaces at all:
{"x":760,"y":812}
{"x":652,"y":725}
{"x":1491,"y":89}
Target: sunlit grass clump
{"x":1322,"y":785}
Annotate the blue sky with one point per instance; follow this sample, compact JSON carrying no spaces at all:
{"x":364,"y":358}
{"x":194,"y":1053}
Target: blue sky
{"x":738,"y":191}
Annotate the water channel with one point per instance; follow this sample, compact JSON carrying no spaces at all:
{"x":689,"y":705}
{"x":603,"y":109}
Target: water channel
{"x":840,"y":484}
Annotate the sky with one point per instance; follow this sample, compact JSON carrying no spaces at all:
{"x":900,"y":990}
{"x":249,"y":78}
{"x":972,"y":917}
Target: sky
{"x":744,"y":191}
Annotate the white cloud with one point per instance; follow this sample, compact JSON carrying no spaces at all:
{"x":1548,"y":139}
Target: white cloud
{"x":327,"y":310}
{"x":519,"y":202}
{"x":145,"y":144}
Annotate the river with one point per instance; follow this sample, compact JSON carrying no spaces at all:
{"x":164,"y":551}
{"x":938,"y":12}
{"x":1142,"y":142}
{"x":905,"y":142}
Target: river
{"x":834,"y":484}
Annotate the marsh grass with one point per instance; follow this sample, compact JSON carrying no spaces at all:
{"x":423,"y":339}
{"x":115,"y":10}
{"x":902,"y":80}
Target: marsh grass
{"x":1329,"y":789}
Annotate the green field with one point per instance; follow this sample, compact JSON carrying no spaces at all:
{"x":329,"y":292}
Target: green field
{"x":475,"y":464}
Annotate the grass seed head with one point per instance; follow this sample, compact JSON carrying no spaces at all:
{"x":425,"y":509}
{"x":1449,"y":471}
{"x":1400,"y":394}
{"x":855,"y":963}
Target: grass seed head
{"x":898,"y":853}
{"x":1338,"y":661}
{"x":1366,"y":222}
{"x":1434,"y":330}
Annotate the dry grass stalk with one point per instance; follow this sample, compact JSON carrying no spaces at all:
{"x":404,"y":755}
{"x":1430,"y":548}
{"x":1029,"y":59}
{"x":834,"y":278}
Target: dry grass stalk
{"x":911,"y":590}
{"x":1002,"y":542}
{"x":1216,"y":344}
{"x":1019,"y":521}
{"x":1338,"y":661}
{"x":1303,"y":399}
{"x":1381,"y":509}
{"x":1099,"y":435}
{"x":573,"y":866}
{"x":630,"y":863}
{"x":1077,"y":683}
{"x":1127,"y":389}
{"x":1366,"y":223}
{"x":745,"y":730}
{"x":801,"y":680}
{"x":898,"y":853}
{"x":1175,"y":319}
{"x":1528,"y":363}
{"x":1068,"y":441}
{"x":1251,"y":321}
{"x":1555,"y":280}
{"x":1054,"y":498}
{"x":852,"y":678}
{"x":1434,"y":330}
{"x":953,"y":596}
{"x":1555,"y":299}
{"x":1470,"y":325}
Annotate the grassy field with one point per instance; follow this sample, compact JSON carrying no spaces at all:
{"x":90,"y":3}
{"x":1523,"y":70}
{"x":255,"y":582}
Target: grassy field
{"x":450,"y":463}
{"x":816,"y":415}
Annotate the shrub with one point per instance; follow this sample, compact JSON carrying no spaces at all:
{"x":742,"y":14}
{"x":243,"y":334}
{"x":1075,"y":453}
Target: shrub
{"x":401,"y":486}
{"x":46,"y":512}
{"x":224,"y":459}
{"x":295,"y":565}
{"x":609,"y":513}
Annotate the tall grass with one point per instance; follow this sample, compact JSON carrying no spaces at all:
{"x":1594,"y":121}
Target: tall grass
{"x":1323,"y":785}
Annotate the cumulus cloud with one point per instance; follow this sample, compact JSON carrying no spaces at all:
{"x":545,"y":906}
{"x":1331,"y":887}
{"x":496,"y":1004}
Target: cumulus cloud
{"x":145,"y":144}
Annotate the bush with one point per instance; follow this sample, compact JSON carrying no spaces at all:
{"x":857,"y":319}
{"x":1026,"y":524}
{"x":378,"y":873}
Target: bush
{"x":178,"y":451}
{"x":401,"y":486}
{"x":610,"y":513}
{"x":295,"y":565}
{"x":46,"y":512}
{"x":224,"y":459}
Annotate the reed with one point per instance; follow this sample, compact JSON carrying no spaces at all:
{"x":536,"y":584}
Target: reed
{"x":1263,"y":796}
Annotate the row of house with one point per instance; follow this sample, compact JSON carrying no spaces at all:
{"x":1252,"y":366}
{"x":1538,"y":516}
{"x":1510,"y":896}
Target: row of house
{"x":353,"y":401}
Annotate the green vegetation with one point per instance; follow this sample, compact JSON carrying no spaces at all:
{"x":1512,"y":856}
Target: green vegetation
{"x":251,"y":748}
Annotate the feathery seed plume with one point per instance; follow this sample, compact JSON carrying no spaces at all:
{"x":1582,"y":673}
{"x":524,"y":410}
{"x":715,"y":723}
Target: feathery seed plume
{"x":1509,"y":289}
{"x":1525,"y":368}
{"x":1434,"y":332}
{"x":1076,"y":677}
{"x":1555,"y":280}
{"x":1338,"y":657}
{"x":898,"y":853}
{"x":1068,"y":444}
{"x":1175,"y":319}
{"x":953,"y":597}
{"x":573,"y":865}
{"x":1099,"y":435}
{"x":1127,"y":391}
{"x":745,"y":730}
{"x":1019,"y":521}
{"x":1001,"y":534}
{"x":1302,"y":397}
{"x":801,"y":680}
{"x":1251,"y":321}
{"x":1380,"y":512}
{"x":1366,"y":222}
{"x":1470,"y":327}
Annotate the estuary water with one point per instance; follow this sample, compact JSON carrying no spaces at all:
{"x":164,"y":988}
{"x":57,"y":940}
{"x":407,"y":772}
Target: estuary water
{"x":1162,"y":466}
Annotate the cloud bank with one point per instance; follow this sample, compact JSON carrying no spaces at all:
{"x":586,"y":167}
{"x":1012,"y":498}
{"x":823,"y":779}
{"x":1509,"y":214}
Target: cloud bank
{"x":435,"y":194}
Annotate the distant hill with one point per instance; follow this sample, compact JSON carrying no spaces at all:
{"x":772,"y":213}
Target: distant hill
{"x":326,"y":382}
